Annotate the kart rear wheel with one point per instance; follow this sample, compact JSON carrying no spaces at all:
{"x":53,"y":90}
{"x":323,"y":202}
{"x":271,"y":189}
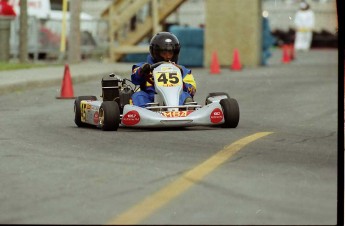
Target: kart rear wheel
{"x":231,"y":112}
{"x":77,"y":110}
{"x":109,"y":116}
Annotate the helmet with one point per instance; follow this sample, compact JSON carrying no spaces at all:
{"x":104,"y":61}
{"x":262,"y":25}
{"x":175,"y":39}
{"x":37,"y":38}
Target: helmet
{"x":163,"y":41}
{"x":303,"y":5}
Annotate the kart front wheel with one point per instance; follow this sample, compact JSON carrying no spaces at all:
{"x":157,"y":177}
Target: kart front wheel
{"x":109,"y":116}
{"x":77,"y":110}
{"x":231,"y":112}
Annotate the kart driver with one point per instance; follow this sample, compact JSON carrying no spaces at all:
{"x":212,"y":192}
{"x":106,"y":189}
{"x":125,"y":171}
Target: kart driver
{"x":164,"y":46}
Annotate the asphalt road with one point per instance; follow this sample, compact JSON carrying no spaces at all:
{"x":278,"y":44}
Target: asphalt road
{"x":53,"y":172}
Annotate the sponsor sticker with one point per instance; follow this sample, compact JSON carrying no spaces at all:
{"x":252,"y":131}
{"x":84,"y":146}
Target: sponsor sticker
{"x":174,"y":114}
{"x":96,"y":118}
{"x":216,"y":116}
{"x":131,"y":118}
{"x":168,"y":79}
{"x":164,"y":69}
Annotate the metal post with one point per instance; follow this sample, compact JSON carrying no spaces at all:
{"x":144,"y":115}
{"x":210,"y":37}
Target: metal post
{"x":63,"y":31}
{"x":5,"y":29}
{"x":155,"y":17}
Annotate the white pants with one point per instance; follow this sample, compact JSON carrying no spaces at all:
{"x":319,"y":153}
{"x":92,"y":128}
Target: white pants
{"x":303,"y":40}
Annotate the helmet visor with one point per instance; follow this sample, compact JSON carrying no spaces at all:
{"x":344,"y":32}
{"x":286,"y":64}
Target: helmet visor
{"x":167,"y":55}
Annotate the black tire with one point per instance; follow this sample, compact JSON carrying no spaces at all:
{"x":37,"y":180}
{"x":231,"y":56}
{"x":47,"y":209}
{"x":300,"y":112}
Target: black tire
{"x":77,"y":110}
{"x":231,"y":112}
{"x":109,"y":116}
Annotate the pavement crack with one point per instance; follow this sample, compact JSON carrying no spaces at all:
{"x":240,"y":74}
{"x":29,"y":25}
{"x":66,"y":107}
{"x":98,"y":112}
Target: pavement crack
{"x":315,"y":138}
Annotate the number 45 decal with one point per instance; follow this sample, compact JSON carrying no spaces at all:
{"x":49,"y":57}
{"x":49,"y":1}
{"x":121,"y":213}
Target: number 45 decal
{"x":168,"y":79}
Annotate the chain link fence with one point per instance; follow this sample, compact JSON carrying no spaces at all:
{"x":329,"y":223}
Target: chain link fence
{"x":44,"y":38}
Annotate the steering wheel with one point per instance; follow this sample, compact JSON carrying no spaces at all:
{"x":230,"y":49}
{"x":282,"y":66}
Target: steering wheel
{"x":153,"y":66}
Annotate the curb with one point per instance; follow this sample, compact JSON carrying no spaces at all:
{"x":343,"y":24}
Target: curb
{"x":50,"y":82}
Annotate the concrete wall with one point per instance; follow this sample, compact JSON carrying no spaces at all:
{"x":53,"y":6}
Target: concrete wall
{"x":233,"y":24}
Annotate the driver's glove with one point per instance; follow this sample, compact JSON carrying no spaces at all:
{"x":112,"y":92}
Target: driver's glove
{"x":145,"y":69}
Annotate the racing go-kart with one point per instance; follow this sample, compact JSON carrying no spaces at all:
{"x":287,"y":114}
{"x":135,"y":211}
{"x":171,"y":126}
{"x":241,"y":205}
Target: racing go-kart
{"x":117,"y":110}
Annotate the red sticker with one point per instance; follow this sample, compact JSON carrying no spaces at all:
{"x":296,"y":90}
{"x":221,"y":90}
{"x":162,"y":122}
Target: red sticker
{"x":96,"y":118}
{"x":131,"y":118}
{"x":216,"y":116}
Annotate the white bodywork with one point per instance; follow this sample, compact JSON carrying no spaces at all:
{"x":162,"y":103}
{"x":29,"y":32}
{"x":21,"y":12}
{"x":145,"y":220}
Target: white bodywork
{"x":166,"y":111}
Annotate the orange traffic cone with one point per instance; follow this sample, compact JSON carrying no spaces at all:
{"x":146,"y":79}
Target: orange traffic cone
{"x":286,"y":56}
{"x":215,"y":69}
{"x":236,"y":64}
{"x":67,"y":86}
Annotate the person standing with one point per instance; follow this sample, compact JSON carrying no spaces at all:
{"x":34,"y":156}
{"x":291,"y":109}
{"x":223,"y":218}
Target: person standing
{"x":304,"y":24}
{"x":267,"y":40}
{"x":6,"y":9}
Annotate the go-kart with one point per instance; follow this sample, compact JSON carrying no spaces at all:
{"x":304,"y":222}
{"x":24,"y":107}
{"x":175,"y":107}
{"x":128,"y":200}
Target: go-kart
{"x":117,"y":109}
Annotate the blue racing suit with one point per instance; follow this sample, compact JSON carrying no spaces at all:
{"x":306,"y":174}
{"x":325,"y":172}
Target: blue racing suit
{"x":147,"y":90}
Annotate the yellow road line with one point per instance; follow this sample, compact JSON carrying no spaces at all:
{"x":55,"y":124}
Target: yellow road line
{"x":150,"y":204}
